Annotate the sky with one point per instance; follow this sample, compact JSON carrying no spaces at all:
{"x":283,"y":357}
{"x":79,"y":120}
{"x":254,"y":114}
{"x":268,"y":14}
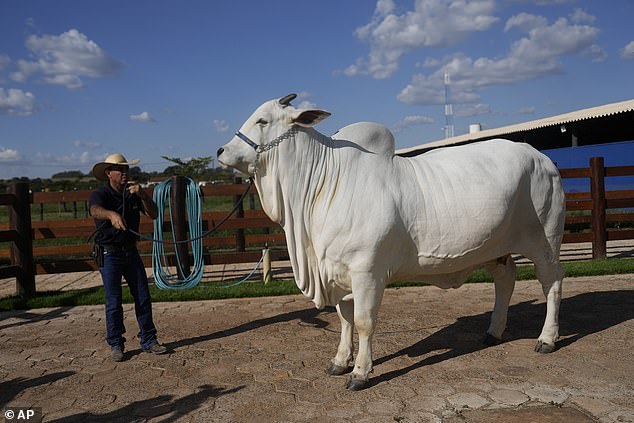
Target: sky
{"x":81,"y":79}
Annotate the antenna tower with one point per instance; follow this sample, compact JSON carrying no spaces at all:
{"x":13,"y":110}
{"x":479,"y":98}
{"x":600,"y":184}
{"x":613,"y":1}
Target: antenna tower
{"x":448,"y":109}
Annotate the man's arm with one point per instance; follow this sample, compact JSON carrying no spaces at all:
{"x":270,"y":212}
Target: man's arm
{"x":101,"y":213}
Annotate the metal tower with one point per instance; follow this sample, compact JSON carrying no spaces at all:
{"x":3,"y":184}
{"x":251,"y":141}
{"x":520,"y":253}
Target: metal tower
{"x":448,"y":109}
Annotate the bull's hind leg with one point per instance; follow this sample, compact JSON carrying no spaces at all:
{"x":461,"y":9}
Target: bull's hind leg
{"x":550,"y":275}
{"x":343,"y":360}
{"x":503,"y":272}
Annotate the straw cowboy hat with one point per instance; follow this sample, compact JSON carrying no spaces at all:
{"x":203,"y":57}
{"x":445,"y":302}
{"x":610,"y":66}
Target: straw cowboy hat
{"x":99,"y":170}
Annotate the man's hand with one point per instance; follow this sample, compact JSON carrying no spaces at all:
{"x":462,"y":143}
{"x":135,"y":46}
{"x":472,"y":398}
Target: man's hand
{"x":117,"y":221}
{"x":135,"y":188}
{"x":115,"y":218}
{"x":148,"y":203}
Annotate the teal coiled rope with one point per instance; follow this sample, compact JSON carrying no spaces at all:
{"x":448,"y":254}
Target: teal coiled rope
{"x":165,"y":279}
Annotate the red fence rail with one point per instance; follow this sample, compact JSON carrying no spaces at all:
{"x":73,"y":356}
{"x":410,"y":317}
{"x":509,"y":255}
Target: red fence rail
{"x":243,"y":235}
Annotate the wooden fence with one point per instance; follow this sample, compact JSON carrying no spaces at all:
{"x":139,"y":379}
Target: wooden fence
{"x":243,"y":236}
{"x":597,"y":202}
{"x":21,"y":248}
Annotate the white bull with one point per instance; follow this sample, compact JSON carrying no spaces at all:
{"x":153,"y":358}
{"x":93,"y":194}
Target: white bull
{"x":357,"y":217}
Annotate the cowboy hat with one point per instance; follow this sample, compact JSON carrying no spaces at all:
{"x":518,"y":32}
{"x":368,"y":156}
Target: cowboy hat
{"x":99,"y":170}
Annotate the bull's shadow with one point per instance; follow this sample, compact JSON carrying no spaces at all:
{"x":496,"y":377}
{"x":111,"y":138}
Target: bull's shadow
{"x":579,"y":316}
{"x":308,"y":316}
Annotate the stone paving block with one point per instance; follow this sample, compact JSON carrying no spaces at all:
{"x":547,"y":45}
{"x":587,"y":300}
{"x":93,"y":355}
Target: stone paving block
{"x":94,"y":401}
{"x":619,"y":416}
{"x":304,"y":412}
{"x":508,"y":397}
{"x":395,"y":391}
{"x":422,"y":403}
{"x":345,"y":410}
{"x":594,"y":406}
{"x":384,"y":407}
{"x":467,"y":400}
{"x":547,"y":395}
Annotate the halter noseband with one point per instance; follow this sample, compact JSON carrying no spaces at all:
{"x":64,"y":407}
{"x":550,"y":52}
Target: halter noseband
{"x":261,"y":148}
{"x":247,"y":140}
{"x":269,"y":145}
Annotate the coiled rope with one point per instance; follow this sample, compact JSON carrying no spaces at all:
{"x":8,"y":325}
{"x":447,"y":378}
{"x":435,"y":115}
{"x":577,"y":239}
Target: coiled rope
{"x":163,"y":277}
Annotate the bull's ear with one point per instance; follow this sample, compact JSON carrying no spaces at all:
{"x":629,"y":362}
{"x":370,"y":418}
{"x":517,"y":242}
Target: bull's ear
{"x":308,"y":118}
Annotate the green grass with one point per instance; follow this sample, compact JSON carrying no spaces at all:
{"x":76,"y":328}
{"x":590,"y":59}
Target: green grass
{"x":92,"y":296}
{"x":96,"y":295}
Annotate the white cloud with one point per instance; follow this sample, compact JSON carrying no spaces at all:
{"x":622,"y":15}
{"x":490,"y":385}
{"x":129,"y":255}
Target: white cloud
{"x":307,"y":105}
{"x":16,"y":102}
{"x":534,"y":56}
{"x":528,"y":110}
{"x":432,"y":23}
{"x":628,"y":51}
{"x":83,"y":158}
{"x":64,"y":59}
{"x":408,"y":121}
{"x":525,"y":22}
{"x":545,"y":2}
{"x":5,"y":61}
{"x":143,"y":117}
{"x":9,"y":155}
{"x":581,"y":16}
{"x":221,"y":125}
{"x":304,"y":102}
{"x":87,"y":144}
{"x":473,"y":110}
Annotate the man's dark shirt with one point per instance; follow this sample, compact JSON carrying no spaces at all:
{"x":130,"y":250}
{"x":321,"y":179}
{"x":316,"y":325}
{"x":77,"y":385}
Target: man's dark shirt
{"x":110,"y":199}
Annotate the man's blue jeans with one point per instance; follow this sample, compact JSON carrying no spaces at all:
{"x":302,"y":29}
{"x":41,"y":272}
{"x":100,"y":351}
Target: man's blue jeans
{"x":126,"y":264}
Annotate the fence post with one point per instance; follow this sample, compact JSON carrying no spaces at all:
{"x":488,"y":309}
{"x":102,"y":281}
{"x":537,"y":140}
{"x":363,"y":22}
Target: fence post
{"x":597,"y":192}
{"x":240,"y":242}
{"x":180,"y":224}
{"x":22,"y":248}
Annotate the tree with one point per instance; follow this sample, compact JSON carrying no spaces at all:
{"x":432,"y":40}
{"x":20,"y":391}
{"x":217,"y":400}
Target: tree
{"x":69,"y":174}
{"x":195,"y":168}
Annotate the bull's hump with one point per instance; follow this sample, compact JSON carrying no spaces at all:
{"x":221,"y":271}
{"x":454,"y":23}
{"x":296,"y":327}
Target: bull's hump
{"x":370,"y":136}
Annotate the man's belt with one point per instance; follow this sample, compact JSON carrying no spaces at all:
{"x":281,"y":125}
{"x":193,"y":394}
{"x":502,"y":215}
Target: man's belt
{"x":109,"y":248}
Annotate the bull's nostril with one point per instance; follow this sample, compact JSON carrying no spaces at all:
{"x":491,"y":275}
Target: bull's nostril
{"x":220,"y":151}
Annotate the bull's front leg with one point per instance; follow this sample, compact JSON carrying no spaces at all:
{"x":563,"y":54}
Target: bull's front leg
{"x":367,"y":294}
{"x":343,"y":360}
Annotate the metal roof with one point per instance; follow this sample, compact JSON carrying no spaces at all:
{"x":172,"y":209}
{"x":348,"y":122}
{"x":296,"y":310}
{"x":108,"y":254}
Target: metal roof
{"x":596,"y":125}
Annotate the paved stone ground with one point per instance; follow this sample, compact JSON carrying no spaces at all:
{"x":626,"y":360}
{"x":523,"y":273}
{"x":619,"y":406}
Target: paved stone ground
{"x":263,"y":360}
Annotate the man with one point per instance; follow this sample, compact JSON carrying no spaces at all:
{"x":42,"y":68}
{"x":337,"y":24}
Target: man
{"x":116,"y":206}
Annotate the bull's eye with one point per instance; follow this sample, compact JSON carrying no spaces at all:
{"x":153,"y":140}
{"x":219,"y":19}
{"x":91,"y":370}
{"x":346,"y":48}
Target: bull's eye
{"x":262,"y":122}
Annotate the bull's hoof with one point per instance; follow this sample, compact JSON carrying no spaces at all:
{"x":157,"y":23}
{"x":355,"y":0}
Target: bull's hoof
{"x":544,"y":348}
{"x":490,"y":340}
{"x":354,"y":384}
{"x":334,"y":370}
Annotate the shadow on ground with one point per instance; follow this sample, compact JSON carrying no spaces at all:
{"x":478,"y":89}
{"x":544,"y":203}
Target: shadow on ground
{"x":580,"y":316}
{"x":163,"y":408}
{"x":9,"y":389}
{"x":28,"y":317}
{"x":307,"y":316}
